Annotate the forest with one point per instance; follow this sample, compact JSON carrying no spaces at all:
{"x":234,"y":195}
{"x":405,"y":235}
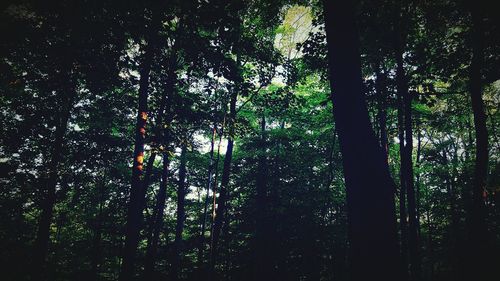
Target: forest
{"x":249,"y":140}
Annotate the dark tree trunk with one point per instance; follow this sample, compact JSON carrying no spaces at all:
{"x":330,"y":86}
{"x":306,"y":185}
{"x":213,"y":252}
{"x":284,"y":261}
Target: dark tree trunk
{"x":417,"y":175}
{"x":407,"y":151}
{"x":214,"y":193}
{"x":477,"y":246}
{"x":263,"y":267}
{"x":373,"y":248}
{"x":41,"y":243}
{"x":201,"y":246}
{"x":430,"y":246}
{"x":481,"y":133}
{"x":156,"y":222}
{"x":148,"y":174}
{"x":137,"y":190}
{"x":181,"y":212}
{"x":223,"y":193}
{"x":403,"y":221}
{"x":414,"y":225}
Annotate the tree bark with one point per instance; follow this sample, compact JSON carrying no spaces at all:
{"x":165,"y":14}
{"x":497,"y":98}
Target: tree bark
{"x":263,"y":267}
{"x":214,"y":193}
{"x":403,"y":221}
{"x":223,"y":193}
{"x":181,"y":212}
{"x":137,"y":190}
{"x":156,"y":222}
{"x":414,"y":225}
{"x":373,"y":248}
{"x":407,"y":144}
{"x":477,"y":245}
{"x":201,"y":246}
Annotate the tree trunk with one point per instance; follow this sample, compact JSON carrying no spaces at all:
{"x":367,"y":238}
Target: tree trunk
{"x":181,"y":212}
{"x":156,"y":222}
{"x":430,"y":246}
{"x":137,"y":190}
{"x":454,"y":230}
{"x":407,"y":144}
{"x":214,"y":193}
{"x":417,"y":174}
{"x":414,"y":225}
{"x":221,"y":207}
{"x":373,"y":248}
{"x":263,"y":269}
{"x":201,"y":246}
{"x":403,"y":221}
{"x":477,"y":246}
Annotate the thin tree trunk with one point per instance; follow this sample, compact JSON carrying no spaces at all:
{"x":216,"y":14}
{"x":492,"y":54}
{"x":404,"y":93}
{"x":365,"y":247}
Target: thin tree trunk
{"x":454,"y":232}
{"x":137,"y":190}
{"x":222,"y":205}
{"x":201,"y":246}
{"x":414,"y":225}
{"x":181,"y":212}
{"x":407,"y":152}
{"x":214,"y":193}
{"x":417,"y":174}
{"x":403,"y":221}
{"x":430,"y":247}
{"x":373,"y":248}
{"x":156,"y":222}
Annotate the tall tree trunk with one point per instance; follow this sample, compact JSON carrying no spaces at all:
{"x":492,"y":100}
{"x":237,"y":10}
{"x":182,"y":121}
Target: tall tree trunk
{"x":181,"y":212}
{"x":453,"y":232}
{"x":478,"y":234}
{"x":201,"y":245}
{"x":137,"y":190}
{"x":373,"y":248}
{"x":263,"y":270}
{"x":156,"y":222}
{"x":414,"y":225}
{"x":407,"y":152}
{"x":214,"y":193}
{"x":430,"y":246}
{"x":223,"y":193}
{"x":417,"y":174}
{"x":403,"y":221}
{"x":41,"y":243}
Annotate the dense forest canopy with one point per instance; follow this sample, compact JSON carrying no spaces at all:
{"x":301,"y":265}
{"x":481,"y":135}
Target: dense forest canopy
{"x":249,"y":140}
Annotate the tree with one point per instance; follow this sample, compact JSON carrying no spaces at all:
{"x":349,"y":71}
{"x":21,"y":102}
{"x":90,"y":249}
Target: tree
{"x":137,"y":189}
{"x":369,"y":185}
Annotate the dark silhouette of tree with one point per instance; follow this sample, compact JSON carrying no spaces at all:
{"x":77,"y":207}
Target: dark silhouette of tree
{"x":369,"y":185}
